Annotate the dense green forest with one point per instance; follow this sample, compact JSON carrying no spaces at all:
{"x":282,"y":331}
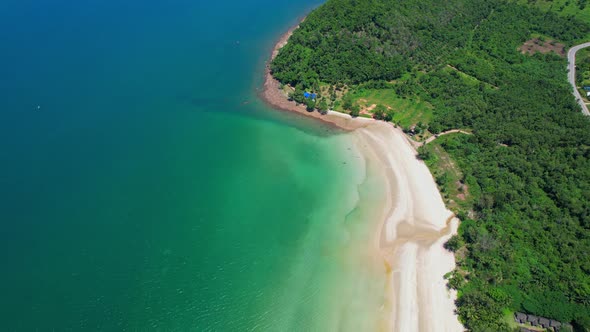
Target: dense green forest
{"x":524,"y":240}
{"x":576,"y":8}
{"x":583,"y":68}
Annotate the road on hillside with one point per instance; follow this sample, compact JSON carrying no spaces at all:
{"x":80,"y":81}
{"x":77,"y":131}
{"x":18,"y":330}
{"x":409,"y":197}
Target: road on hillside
{"x":571,"y":75}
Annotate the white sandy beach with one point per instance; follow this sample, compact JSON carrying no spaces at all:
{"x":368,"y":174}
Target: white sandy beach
{"x":416,"y":225}
{"x":415,"y":222}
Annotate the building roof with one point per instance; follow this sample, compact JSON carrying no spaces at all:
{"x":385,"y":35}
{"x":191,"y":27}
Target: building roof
{"x":544,"y":321}
{"x":554,"y":323}
{"x":532,"y":318}
{"x":520,"y":316}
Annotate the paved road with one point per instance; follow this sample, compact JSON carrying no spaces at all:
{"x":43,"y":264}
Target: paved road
{"x":571,"y":75}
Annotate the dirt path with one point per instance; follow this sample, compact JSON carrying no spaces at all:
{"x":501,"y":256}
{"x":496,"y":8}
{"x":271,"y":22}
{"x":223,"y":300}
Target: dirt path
{"x":452,"y":131}
{"x":417,"y":144}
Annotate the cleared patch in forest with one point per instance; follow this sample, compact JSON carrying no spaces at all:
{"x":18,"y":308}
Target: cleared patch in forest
{"x":543,"y":46}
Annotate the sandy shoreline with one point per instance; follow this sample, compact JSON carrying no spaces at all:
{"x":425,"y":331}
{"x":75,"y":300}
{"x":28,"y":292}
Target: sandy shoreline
{"x":275,"y":98}
{"x":415,"y":224}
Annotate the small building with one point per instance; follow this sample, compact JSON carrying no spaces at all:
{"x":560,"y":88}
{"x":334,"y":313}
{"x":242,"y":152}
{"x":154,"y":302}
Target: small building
{"x":534,"y":320}
{"x":587,"y":93}
{"x":586,"y":87}
{"x":308,"y":95}
{"x":520,"y":318}
{"x":555,"y":325}
{"x":544,"y":322}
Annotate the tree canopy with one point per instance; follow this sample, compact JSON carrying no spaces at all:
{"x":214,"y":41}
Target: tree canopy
{"x":527,"y":237}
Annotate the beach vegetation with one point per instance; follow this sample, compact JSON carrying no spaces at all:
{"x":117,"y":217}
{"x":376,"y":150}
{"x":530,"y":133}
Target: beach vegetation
{"x":583,"y":71}
{"x":379,"y":112}
{"x":521,"y":182}
{"x":355,"y":110}
{"x":347,"y":103}
{"x":323,"y":106}
{"x":310,"y":104}
{"x":454,"y":243}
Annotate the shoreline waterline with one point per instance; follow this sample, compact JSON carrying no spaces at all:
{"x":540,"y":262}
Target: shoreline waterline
{"x":413,"y":222}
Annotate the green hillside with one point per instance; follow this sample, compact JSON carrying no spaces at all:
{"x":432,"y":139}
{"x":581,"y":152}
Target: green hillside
{"x":524,"y":176}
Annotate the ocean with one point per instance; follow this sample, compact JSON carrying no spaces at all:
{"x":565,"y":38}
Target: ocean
{"x":144,"y":186}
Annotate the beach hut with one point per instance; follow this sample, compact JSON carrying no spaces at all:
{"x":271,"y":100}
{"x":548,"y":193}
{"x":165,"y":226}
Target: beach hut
{"x":555,"y":325}
{"x":544,"y":322}
{"x":534,"y":320}
{"x":520,"y":318}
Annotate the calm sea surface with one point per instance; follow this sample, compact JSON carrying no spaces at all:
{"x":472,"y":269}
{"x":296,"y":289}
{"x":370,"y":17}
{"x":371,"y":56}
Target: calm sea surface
{"x":143,"y":185}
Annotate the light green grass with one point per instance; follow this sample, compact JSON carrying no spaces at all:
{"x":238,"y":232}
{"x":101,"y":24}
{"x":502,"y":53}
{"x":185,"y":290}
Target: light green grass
{"x":508,"y":318}
{"x":471,"y":80}
{"x":407,"y":112}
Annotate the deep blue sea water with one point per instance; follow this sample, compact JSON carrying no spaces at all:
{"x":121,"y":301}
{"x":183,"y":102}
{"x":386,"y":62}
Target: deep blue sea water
{"x":143,"y":185}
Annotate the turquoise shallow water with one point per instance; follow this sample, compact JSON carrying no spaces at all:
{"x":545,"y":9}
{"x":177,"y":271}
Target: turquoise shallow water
{"x":152,"y":190}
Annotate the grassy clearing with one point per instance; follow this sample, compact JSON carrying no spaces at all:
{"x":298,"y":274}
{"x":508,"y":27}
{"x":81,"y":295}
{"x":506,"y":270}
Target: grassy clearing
{"x":407,"y":112}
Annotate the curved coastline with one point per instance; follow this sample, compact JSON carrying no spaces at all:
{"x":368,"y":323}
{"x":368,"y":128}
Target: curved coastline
{"x":276,"y":99}
{"x":414,"y":224}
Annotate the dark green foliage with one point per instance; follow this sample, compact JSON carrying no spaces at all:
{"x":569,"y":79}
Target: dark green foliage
{"x":347,"y":102}
{"x":323,"y":106}
{"x":454,"y":279}
{"x":424,"y":154}
{"x":297,"y":96}
{"x":442,"y":180}
{"x":582,"y":324}
{"x":380,"y":112}
{"x":454,"y":243}
{"x":527,"y":164}
{"x":335,"y":45}
{"x":355,"y":110}
{"x":388,"y":115}
{"x":309,"y":104}
{"x":482,"y":311}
